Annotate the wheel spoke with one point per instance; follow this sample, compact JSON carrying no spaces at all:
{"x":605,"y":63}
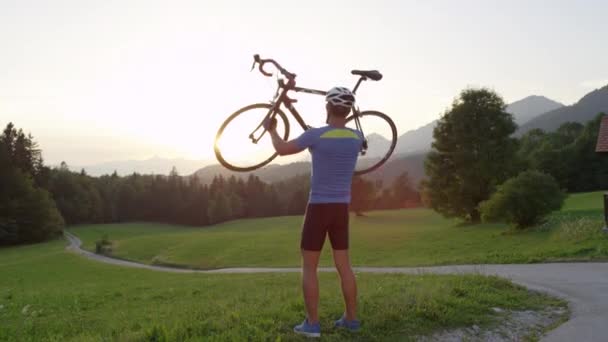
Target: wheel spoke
{"x":239,"y":150}
{"x":380,"y":139}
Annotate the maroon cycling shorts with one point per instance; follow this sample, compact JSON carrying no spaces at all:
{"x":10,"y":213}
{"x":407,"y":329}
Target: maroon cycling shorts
{"x":323,"y":219}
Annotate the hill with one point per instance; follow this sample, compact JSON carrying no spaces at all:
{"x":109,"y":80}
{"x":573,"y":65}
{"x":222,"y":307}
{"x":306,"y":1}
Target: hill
{"x":582,"y":111}
{"x":530,"y":107}
{"x":154,"y":165}
{"x":413,"y":142}
{"x":420,"y":139}
{"x":411,"y":146}
{"x":269,"y":174}
{"x":416,"y":140}
{"x":412,"y":163}
{"x":413,"y":237}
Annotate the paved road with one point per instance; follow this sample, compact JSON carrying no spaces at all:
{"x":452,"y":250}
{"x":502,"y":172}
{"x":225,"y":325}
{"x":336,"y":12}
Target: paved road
{"x":584,"y":285}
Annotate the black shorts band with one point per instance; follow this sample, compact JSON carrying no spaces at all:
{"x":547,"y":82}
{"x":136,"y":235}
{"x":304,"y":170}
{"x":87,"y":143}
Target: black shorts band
{"x":323,"y":219}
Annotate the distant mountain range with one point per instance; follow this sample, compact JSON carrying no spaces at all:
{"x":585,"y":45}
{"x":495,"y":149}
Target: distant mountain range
{"x":410,"y":152}
{"x":413,"y":164}
{"x":530,"y":107}
{"x":271,"y":173}
{"x":419,"y":140}
{"x":154,"y":165}
{"x":584,"y":110}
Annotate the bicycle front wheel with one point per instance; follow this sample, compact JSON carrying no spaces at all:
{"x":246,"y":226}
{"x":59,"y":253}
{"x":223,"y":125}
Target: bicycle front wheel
{"x":380,"y":139}
{"x":242,"y":144}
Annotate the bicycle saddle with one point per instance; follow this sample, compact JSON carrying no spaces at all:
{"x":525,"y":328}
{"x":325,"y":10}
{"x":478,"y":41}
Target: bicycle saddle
{"x":374,"y":75}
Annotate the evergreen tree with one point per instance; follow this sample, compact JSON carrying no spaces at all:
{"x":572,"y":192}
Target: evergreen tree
{"x":297,"y":203}
{"x":219,"y":209}
{"x":362,"y":195}
{"x":27,"y":213}
{"x":403,"y":193}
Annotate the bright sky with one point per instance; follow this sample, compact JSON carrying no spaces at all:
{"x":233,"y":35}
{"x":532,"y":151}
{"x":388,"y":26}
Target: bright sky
{"x":96,"y":81}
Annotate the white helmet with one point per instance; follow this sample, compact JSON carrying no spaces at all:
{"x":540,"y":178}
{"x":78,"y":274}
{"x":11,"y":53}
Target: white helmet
{"x":340,"y":96}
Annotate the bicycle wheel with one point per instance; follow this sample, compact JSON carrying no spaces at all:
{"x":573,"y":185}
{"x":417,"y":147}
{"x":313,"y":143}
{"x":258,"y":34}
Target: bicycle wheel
{"x":381,"y":138}
{"x":234,"y":148}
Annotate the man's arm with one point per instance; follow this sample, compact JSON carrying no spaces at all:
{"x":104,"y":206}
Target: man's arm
{"x":304,"y":141}
{"x":283,"y":147}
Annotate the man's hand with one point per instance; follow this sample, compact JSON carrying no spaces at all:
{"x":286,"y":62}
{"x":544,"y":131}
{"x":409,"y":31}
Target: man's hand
{"x":270,"y":124}
{"x":281,"y":146}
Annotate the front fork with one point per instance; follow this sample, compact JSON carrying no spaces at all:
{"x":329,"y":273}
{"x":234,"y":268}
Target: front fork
{"x":271,"y":114}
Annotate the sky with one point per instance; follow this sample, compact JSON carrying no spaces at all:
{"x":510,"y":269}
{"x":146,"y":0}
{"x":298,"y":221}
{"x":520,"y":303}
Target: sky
{"x":98,"y":81}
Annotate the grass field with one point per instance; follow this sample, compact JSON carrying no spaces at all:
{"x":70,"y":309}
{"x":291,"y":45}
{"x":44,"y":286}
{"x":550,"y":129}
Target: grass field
{"x":48,"y":294}
{"x":384,"y":238}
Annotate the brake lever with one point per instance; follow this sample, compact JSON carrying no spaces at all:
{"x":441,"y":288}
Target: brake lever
{"x":256,"y":59}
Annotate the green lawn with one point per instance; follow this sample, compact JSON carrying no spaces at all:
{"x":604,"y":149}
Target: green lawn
{"x":48,"y":294}
{"x":383,"y":238}
{"x":585,"y":201}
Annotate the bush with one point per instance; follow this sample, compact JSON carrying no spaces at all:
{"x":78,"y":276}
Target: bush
{"x":524,"y":200}
{"x":103,"y":246}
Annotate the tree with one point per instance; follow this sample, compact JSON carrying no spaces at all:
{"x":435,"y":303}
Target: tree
{"x":524,"y":200}
{"x":384,"y":200}
{"x":363,"y":193}
{"x":219,"y":209}
{"x":126,"y":200}
{"x":589,"y":169}
{"x":403,"y":193}
{"x":27,"y":213}
{"x":237,"y":206}
{"x":297,"y":203}
{"x":568,"y":155}
{"x":37,"y":216}
{"x":22,"y":150}
{"x":472,"y":153}
{"x":552,"y":152}
{"x":76,"y":196}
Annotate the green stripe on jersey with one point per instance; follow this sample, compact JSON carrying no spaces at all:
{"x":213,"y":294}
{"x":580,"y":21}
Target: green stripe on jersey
{"x":339,"y":134}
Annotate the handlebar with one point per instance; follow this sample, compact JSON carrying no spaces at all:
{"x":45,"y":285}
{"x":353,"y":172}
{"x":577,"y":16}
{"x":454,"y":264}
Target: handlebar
{"x":261,"y":62}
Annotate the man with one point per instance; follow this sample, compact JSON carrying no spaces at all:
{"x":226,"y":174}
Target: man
{"x":334,"y":150}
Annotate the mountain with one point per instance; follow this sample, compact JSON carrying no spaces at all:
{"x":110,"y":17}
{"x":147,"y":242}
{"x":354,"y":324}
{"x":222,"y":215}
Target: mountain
{"x":270,"y":174}
{"x":582,"y":111}
{"x":377,"y":145}
{"x":416,"y":140}
{"x":411,"y":145}
{"x":155,"y":165}
{"x":413,"y":164}
{"x":420,"y":139}
{"x":530,"y":107}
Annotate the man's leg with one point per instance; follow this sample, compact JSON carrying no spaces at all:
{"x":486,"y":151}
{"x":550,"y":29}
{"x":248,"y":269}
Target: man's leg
{"x":338,"y":235}
{"x":348,"y":282}
{"x":310,"y":284}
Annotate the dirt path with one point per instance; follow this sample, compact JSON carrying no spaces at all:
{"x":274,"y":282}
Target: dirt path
{"x":584,"y":285}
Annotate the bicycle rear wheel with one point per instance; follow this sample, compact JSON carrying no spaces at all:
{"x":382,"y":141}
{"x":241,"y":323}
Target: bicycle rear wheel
{"x":380,"y":137}
{"x":234,"y":148}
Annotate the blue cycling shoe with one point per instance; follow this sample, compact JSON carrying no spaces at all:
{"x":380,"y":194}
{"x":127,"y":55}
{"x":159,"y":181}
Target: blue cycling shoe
{"x":353,"y":325}
{"x":307,"y":329}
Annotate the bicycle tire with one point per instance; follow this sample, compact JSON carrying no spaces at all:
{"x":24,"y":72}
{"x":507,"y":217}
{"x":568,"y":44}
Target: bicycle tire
{"x":218,"y":153}
{"x":393,"y":139}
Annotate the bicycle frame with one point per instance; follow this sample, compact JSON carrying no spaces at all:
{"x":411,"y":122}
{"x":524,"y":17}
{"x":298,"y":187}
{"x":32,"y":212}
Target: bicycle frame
{"x":283,"y":99}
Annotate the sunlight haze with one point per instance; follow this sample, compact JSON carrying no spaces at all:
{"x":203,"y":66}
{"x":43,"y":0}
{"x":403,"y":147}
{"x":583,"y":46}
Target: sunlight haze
{"x":98,"y":81}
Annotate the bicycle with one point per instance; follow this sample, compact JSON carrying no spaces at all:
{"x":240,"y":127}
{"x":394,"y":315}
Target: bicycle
{"x":273,"y":109}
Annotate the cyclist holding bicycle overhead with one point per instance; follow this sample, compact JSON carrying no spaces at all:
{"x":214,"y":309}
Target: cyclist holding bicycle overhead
{"x":334,"y":149}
